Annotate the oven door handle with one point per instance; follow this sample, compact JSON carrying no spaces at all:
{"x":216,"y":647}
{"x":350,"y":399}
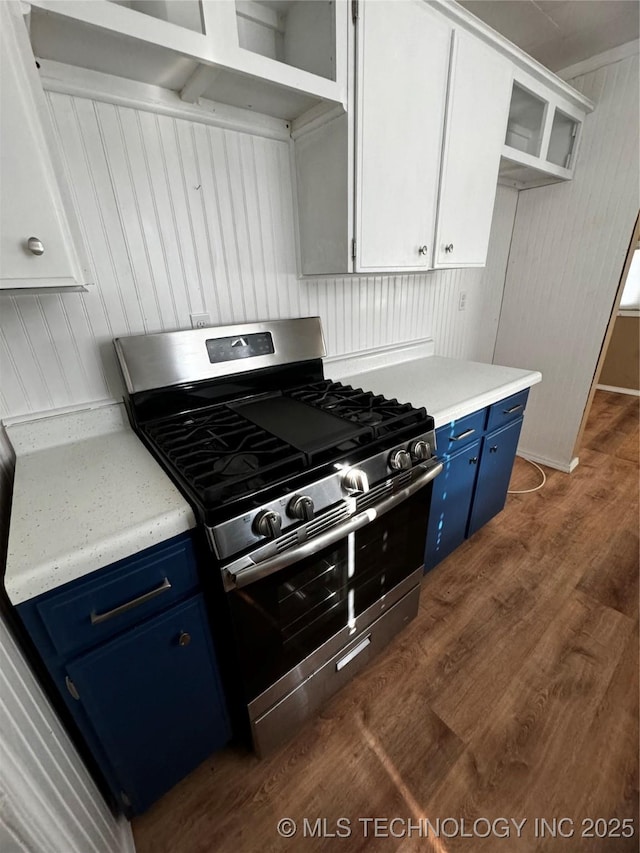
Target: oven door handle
{"x":240,"y":574}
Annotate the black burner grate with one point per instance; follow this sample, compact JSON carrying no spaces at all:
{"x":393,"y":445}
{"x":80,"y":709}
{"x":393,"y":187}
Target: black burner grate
{"x":223,"y":455}
{"x":384,"y":416}
{"x":230,"y":452}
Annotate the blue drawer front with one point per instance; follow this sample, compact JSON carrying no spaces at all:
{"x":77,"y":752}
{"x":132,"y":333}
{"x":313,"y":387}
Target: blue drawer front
{"x":458,"y":434}
{"x":155,"y":703}
{"x":450,"y":503}
{"x":507,"y":410}
{"x":151,"y":581}
{"x":498,"y":455}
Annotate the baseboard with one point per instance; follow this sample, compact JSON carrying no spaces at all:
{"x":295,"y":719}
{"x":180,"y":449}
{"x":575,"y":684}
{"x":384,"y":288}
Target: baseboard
{"x":550,"y":463}
{"x":631,"y":391}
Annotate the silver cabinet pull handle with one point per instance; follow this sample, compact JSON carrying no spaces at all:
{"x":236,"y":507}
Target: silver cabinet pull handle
{"x":35,"y":246}
{"x":244,"y":571}
{"x":97,"y":618}
{"x":512,"y":409}
{"x":462,"y":435}
{"x":423,"y":250}
{"x":355,"y":651}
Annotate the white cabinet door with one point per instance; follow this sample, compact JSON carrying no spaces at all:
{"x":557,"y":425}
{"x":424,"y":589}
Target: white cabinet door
{"x":403,"y":57}
{"x":30,"y":201}
{"x":477,"y":111}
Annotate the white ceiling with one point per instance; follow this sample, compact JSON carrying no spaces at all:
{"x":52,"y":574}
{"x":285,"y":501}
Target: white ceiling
{"x":559,"y":33}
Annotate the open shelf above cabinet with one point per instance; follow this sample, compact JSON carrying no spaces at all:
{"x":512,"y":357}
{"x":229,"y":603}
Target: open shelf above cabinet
{"x":280,"y":58}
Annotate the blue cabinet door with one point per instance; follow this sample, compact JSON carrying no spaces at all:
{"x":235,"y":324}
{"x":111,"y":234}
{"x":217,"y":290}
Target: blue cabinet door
{"x":154,"y":699}
{"x":450,"y":504}
{"x":496,"y":463}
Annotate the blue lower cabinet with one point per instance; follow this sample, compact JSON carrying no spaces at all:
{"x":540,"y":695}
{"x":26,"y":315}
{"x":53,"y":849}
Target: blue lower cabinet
{"x":496,"y":463}
{"x":472,"y":487}
{"x":450,"y":504}
{"x":154,"y":701}
{"x":129,"y":649}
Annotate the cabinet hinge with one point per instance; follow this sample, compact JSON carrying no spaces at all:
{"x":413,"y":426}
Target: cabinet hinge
{"x":353,"y":249}
{"x":355,"y":11}
{"x":71,"y":688}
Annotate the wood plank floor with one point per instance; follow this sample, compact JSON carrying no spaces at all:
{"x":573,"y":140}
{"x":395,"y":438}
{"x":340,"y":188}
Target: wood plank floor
{"x":513,"y":694}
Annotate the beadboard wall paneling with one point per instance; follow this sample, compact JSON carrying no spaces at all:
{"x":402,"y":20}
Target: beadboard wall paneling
{"x":49,"y":801}
{"x":181,"y":217}
{"x":569,"y":245}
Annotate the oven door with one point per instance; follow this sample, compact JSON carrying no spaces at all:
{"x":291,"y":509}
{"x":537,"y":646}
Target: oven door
{"x":288,"y":622}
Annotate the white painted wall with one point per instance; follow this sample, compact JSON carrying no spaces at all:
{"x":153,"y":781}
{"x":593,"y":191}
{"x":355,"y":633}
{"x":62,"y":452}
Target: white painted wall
{"x":568,"y":250}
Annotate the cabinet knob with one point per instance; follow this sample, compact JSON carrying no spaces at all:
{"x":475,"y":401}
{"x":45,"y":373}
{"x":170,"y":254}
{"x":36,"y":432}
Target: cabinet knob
{"x":449,"y":247}
{"x":35,"y":246}
{"x":423,"y":250}
{"x":473,"y":460}
{"x":184,"y":639}
{"x":493,"y":449}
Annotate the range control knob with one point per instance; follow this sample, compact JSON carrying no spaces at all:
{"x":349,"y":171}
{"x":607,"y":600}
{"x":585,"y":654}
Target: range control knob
{"x":420,"y":450}
{"x":355,"y":480}
{"x":301,"y":506}
{"x":267,"y":523}
{"x":399,"y":460}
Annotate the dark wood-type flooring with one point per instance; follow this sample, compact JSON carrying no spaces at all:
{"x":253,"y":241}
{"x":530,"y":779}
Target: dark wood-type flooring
{"x":513,"y":694}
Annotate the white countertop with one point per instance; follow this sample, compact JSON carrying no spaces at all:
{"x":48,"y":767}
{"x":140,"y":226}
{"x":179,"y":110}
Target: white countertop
{"x":86,"y":493}
{"x":448,"y":388}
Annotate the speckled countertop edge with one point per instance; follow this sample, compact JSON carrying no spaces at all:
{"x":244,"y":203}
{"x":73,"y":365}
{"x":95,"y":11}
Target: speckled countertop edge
{"x":86,"y":494}
{"x":448,"y":388}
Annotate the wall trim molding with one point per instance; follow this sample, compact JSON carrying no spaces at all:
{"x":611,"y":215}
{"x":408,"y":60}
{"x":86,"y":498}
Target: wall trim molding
{"x":96,"y":86}
{"x":375,"y":358}
{"x":608,"y":57}
{"x":633,"y":392}
{"x":550,"y":463}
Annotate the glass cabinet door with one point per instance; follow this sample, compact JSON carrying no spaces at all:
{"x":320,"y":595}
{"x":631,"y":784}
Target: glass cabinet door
{"x":182,"y":13}
{"x":564,"y":132}
{"x":525,"y":126}
{"x":299,"y":33}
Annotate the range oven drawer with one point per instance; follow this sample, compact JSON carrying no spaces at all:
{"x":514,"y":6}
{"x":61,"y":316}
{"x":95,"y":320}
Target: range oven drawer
{"x":276,"y":725}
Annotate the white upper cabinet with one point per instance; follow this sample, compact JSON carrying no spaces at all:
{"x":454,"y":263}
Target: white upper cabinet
{"x":403,"y":59}
{"x":276,"y":57}
{"x":477,"y":111}
{"x":36,"y":246}
{"x":542,"y":136}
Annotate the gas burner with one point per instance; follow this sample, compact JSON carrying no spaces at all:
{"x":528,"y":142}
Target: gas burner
{"x":368,"y":417}
{"x":238,"y":464}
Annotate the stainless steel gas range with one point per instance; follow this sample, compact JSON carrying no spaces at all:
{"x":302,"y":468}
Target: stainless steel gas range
{"x":313,"y":497}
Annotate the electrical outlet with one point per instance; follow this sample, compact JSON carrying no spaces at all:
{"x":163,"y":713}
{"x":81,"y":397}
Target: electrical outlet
{"x":462,"y":301}
{"x":200,"y":321}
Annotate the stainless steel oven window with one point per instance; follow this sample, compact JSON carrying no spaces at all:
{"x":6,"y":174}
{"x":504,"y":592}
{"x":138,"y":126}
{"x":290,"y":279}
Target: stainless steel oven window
{"x":281,"y":619}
